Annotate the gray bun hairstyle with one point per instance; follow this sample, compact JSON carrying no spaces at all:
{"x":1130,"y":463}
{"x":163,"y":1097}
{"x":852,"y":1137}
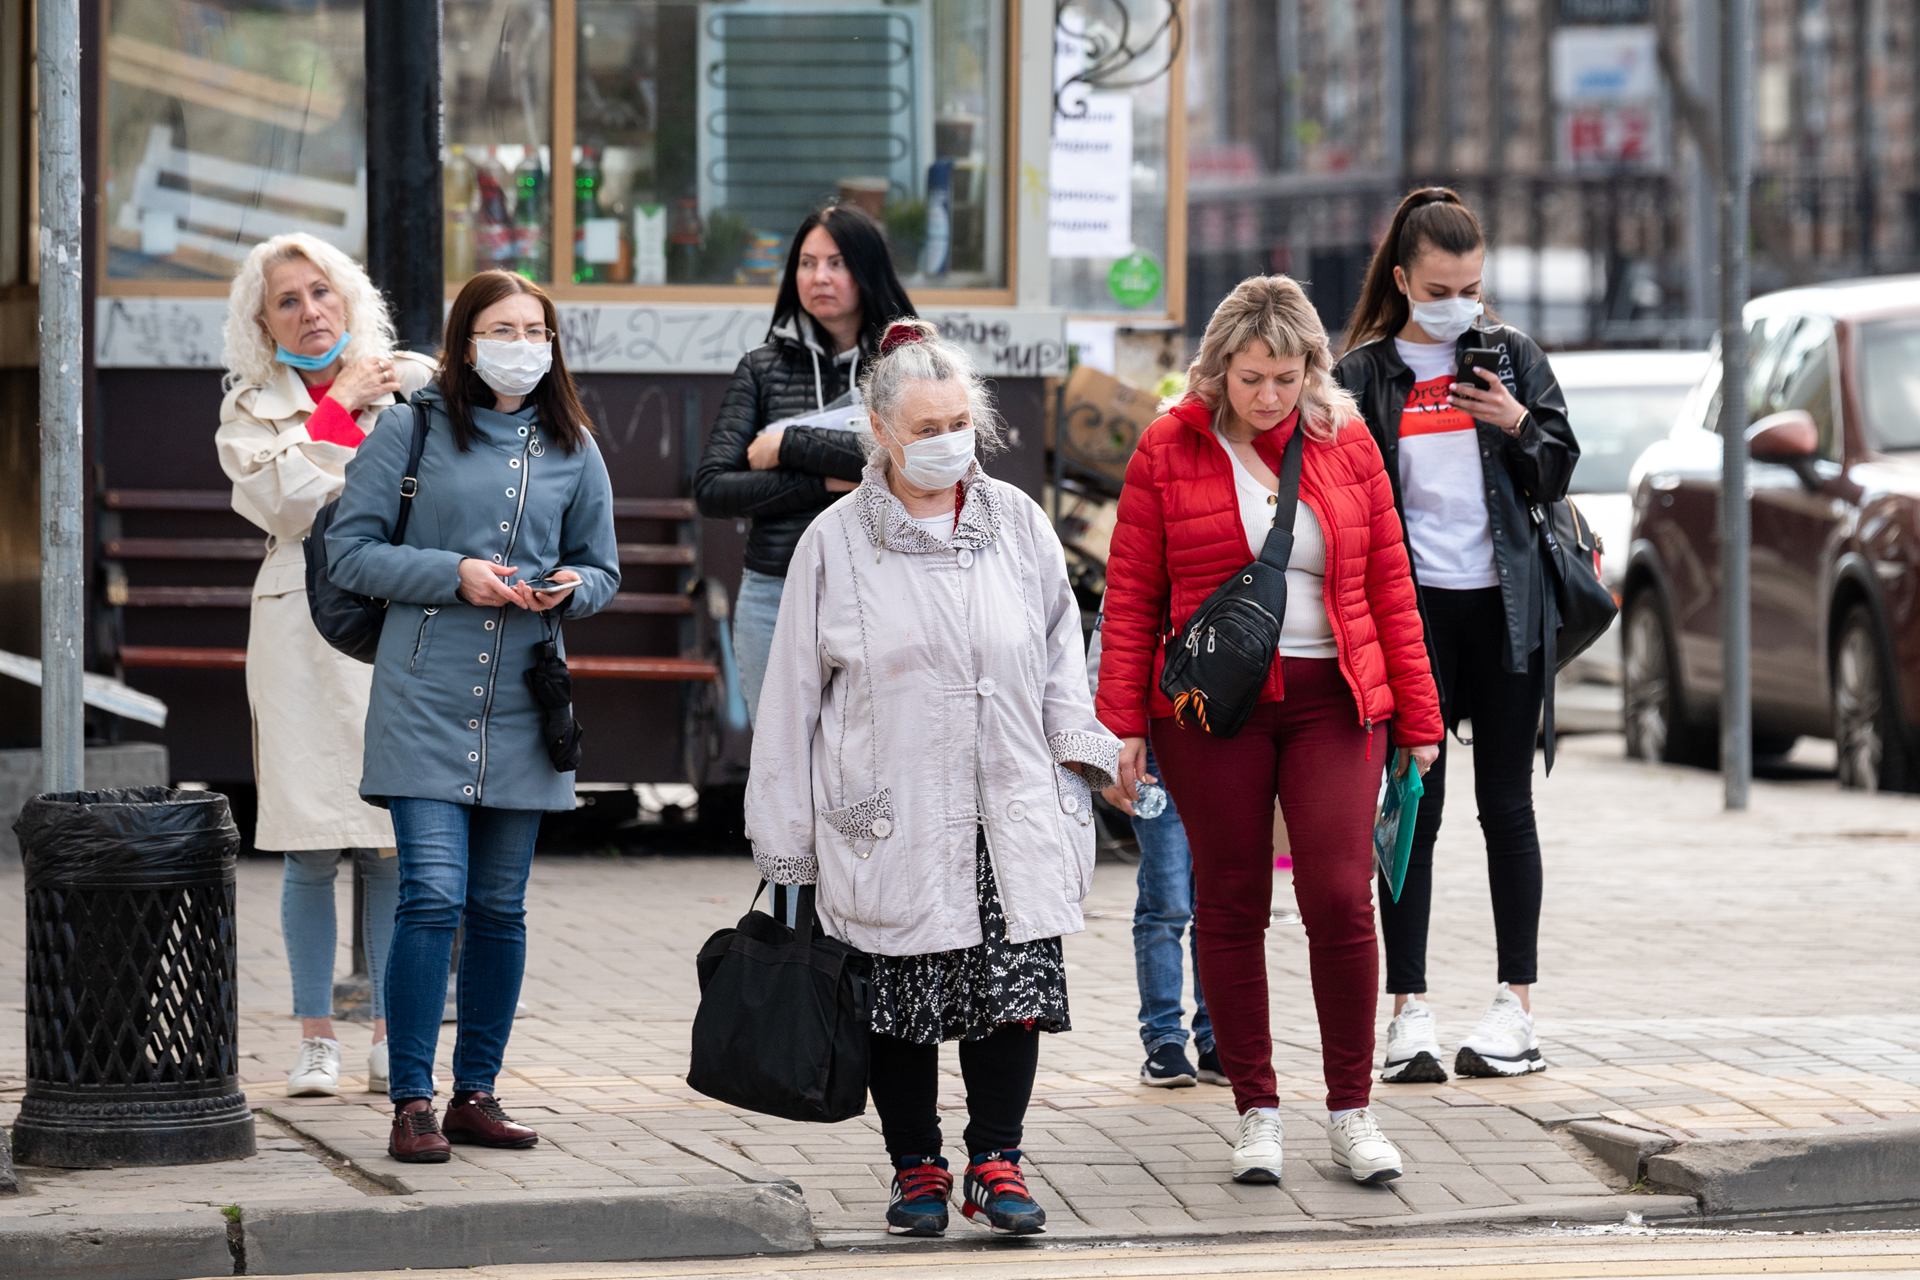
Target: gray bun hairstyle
{"x":913,"y":351}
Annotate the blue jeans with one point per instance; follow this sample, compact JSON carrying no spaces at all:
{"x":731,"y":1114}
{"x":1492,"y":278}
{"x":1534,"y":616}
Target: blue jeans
{"x":755,"y":611}
{"x":456,"y":859}
{"x":307,"y":924}
{"x":1162,"y":912}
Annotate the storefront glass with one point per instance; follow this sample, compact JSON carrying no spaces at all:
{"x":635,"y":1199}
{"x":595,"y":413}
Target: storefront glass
{"x":498,"y":166}
{"x":704,"y":133}
{"x":228,"y":122}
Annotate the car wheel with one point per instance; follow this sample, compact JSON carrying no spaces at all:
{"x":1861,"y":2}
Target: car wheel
{"x":1869,"y":740}
{"x":1651,"y":712}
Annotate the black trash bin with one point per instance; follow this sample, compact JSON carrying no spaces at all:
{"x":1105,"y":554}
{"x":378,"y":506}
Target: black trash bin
{"x":132,"y":1015}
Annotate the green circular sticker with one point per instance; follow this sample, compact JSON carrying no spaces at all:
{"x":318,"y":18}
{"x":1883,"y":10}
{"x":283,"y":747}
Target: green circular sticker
{"x":1135,"y":280}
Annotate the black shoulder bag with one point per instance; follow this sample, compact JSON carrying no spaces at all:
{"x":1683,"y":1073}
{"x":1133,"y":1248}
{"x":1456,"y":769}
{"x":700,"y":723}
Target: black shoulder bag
{"x":1217,"y":664}
{"x":784,"y":1019}
{"x":1577,"y":608}
{"x":351,"y":623}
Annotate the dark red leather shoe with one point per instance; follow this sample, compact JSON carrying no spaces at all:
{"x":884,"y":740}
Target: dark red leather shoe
{"x":480,"y":1120}
{"x":416,"y":1136}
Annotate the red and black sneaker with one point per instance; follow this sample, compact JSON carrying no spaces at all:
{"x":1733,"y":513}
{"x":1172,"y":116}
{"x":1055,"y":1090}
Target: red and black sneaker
{"x":921,"y":1185}
{"x":996,"y":1191}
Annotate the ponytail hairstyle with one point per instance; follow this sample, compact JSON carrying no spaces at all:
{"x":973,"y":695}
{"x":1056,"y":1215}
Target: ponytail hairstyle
{"x":1430,"y":218}
{"x":1272,"y":311}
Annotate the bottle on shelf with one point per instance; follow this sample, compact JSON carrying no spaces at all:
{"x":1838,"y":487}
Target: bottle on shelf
{"x":493,"y":222}
{"x":530,"y":217}
{"x":590,"y":256}
{"x":620,"y":271}
{"x":457,"y":192}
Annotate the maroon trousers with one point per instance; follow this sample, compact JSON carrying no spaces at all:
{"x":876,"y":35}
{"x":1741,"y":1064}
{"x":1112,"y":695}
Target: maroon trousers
{"x":1310,"y":752}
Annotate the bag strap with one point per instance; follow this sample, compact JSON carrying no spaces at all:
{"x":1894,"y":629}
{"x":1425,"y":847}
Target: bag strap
{"x":1549,"y":621}
{"x":1278,"y":548}
{"x":410,"y":483}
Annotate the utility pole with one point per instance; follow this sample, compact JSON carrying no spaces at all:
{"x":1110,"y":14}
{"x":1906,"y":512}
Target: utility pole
{"x":405,"y":220}
{"x":62,"y":463}
{"x":1736,"y":622}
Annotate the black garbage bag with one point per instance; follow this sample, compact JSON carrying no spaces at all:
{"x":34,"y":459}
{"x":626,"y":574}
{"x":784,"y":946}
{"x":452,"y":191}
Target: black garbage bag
{"x":552,"y":686}
{"x":137,"y":835}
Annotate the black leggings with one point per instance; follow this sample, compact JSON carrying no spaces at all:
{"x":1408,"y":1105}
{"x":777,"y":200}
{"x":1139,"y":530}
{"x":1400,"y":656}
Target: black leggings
{"x":905,"y":1084}
{"x":1468,"y":630}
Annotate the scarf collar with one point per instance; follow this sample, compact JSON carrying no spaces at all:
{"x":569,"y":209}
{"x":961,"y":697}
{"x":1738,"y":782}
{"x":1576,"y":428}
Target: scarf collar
{"x":890,"y":528}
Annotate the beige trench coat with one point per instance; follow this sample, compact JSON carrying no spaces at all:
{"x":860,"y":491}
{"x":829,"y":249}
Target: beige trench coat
{"x":309,"y":700}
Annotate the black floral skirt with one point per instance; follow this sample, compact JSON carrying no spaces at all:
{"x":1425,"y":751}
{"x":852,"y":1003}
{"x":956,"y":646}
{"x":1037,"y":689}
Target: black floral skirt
{"x":969,"y":993}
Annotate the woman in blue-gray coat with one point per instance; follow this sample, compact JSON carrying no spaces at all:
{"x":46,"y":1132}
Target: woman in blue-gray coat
{"x":511,"y":529}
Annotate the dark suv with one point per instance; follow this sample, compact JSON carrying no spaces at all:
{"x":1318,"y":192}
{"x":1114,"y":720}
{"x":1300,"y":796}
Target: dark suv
{"x":1833,"y":395}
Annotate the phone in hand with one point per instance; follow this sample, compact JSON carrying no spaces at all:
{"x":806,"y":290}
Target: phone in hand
{"x":548,"y":587}
{"x":1478,"y":358}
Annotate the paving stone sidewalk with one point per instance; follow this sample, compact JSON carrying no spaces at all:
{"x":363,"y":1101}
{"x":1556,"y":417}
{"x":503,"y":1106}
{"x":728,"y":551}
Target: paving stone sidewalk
{"x":1701,"y":973}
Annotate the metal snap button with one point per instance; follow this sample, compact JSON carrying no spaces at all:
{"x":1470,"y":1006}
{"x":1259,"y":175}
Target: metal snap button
{"x":467,"y":790}
{"x":882,"y":828}
{"x":504,"y":526}
{"x":509,"y":493}
{"x":1016,"y":811}
{"x":496,"y":559}
{"x":477,"y":691}
{"x":483,"y":657}
{"x":473,"y":755}
{"x":489,"y":624}
{"x":986,"y":687}
{"x":473,"y":724}
{"x":965,"y":558}
{"x":523,"y":431}
{"x":514,"y":463}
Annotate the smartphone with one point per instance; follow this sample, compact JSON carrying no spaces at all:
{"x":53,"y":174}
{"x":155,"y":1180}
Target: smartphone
{"x":1478,"y":358}
{"x":548,"y":587}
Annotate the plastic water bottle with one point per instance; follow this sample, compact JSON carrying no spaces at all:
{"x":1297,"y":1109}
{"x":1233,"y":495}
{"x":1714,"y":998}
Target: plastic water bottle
{"x":1150,"y":800}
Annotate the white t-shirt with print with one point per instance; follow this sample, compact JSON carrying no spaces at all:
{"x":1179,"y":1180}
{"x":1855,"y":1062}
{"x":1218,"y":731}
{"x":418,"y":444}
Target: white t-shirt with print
{"x":1442,"y":485}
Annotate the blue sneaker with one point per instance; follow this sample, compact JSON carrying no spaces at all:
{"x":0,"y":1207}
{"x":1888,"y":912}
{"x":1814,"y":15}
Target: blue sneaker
{"x":921,"y":1185}
{"x":1167,"y":1068}
{"x":996,"y":1191}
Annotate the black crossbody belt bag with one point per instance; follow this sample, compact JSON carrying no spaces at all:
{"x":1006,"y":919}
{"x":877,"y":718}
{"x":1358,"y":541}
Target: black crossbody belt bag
{"x":1218,"y":662}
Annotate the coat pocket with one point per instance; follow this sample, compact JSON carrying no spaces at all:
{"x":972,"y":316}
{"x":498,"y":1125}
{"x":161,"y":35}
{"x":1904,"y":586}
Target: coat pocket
{"x":422,"y":640}
{"x":852,"y":888}
{"x":1077,"y":833}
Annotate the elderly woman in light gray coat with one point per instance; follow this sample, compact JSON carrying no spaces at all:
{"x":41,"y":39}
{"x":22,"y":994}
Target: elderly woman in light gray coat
{"x":511,"y":527}
{"x":924,"y":754}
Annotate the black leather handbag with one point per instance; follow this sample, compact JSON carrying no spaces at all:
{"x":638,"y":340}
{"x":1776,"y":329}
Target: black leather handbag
{"x":784,"y":1018}
{"x":1579,"y":608}
{"x":351,"y":623}
{"x":1218,"y":662}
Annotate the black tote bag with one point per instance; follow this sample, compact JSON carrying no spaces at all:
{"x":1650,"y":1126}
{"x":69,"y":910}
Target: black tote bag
{"x":784,"y":1019}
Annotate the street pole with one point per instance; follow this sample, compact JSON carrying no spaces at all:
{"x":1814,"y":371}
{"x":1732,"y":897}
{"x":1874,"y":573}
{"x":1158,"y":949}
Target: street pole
{"x":405,"y":221}
{"x":1736,"y":161}
{"x":62,"y":555}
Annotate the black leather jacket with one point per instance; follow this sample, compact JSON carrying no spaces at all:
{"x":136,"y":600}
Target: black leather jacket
{"x":1532,"y":467}
{"x":790,"y":375}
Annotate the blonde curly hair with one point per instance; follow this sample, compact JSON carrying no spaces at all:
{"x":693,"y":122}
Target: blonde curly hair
{"x":249,"y":348}
{"x":1272,"y":311}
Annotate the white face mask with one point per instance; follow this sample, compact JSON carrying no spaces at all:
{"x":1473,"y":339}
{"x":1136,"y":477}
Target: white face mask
{"x":1448,"y":318}
{"x":937,"y":462}
{"x":511,"y":368}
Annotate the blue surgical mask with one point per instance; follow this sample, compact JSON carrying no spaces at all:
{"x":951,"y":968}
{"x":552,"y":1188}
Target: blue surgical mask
{"x":313,"y":364}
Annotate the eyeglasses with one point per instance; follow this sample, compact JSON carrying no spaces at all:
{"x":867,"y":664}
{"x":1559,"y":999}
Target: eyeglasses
{"x":507,"y":333}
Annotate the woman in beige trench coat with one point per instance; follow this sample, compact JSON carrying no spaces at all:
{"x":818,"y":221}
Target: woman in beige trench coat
{"x":310,"y":365}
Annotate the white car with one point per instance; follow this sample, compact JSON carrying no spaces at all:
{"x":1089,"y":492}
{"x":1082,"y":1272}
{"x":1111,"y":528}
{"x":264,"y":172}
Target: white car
{"x":1619,"y":402}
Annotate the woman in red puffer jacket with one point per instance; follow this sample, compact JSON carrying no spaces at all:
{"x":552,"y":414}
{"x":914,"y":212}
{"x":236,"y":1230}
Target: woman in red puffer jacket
{"x":1198,"y":503}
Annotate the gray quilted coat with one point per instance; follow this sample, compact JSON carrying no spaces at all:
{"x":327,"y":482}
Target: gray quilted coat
{"x":918,"y":690}
{"x":451,"y":716}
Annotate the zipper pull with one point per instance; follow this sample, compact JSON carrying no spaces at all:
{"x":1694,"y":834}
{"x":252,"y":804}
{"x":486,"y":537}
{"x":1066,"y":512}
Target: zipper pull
{"x":1369,"y":727}
{"x":1209,"y":639}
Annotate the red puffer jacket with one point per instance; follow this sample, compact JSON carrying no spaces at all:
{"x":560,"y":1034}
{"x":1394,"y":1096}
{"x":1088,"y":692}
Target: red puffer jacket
{"x":1179,"y":531}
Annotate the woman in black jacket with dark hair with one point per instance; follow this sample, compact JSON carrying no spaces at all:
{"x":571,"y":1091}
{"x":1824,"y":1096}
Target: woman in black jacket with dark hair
{"x":838,"y":296}
{"x":1468,"y":460}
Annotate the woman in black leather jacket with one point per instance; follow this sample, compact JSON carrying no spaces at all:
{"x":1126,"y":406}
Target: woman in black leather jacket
{"x":838,"y":296}
{"x":1468,"y":460}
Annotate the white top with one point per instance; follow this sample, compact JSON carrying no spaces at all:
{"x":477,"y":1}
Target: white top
{"x":1305,"y":631}
{"x":1442,"y":484}
{"x":939,"y":528}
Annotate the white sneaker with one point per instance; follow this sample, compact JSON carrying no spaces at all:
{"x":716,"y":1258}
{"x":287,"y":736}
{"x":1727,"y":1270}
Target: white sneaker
{"x":317,"y":1073}
{"x":1361,"y":1149}
{"x":1503,"y":1044}
{"x":1256,"y":1154}
{"x":377,"y":1068}
{"x":1413,"y":1047}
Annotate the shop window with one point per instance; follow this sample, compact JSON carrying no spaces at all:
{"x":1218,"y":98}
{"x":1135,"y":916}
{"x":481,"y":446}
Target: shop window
{"x":704,"y":134}
{"x":227,"y":123}
{"x":497,"y":83}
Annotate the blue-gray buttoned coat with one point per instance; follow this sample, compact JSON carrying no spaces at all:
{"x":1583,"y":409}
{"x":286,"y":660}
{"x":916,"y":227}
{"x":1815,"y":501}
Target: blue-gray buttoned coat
{"x":451,"y":717}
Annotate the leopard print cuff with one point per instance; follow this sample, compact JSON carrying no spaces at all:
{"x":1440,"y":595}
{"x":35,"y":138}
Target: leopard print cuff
{"x":793,"y":869}
{"x":1098,"y":751}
